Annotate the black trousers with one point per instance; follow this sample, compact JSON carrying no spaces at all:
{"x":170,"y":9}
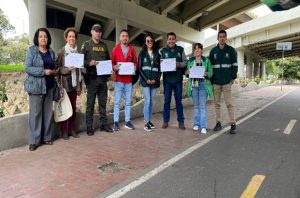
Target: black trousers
{"x":97,"y":87}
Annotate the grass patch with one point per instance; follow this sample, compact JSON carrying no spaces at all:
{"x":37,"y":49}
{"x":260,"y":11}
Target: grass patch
{"x":12,"y":67}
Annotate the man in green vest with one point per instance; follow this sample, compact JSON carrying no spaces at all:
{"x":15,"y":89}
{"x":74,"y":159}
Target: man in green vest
{"x":173,"y":80}
{"x":224,"y":61}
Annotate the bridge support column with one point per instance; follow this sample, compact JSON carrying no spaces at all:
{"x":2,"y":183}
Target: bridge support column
{"x":256,"y":68}
{"x":120,"y":25}
{"x":37,"y":16}
{"x":249,"y":68}
{"x":241,"y":63}
{"x":263,"y":69}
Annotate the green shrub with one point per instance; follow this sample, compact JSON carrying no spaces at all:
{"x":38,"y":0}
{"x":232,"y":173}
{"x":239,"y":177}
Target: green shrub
{"x":244,"y":82}
{"x":257,"y":80}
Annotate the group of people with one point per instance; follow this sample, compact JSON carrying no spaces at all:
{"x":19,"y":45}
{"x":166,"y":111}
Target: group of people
{"x":42,"y":67}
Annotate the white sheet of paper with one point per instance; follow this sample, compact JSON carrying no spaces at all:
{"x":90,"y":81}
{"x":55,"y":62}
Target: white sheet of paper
{"x":126,"y":68}
{"x":74,"y":59}
{"x":104,"y":67}
{"x":197,"y":72}
{"x":168,"y":65}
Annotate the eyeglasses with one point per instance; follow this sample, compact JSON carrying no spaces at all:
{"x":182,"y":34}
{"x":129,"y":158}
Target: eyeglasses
{"x":98,"y":31}
{"x":149,"y":41}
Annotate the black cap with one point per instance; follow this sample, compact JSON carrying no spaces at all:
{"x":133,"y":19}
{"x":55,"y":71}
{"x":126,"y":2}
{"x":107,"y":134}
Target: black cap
{"x":97,"y":27}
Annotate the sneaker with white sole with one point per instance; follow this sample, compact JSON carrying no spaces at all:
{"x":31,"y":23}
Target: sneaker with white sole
{"x":196,"y":128}
{"x":203,"y":131}
{"x":151,"y":125}
{"x":116,"y":126}
{"x":130,"y":126}
{"x":147,"y":127}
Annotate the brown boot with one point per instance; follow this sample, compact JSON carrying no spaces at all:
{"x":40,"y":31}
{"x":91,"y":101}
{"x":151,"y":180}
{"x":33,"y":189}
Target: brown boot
{"x":181,"y":126}
{"x":165,"y":125}
{"x":74,"y":134}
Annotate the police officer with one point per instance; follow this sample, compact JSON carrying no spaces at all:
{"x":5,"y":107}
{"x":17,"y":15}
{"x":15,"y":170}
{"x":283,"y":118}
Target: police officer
{"x":95,"y":50}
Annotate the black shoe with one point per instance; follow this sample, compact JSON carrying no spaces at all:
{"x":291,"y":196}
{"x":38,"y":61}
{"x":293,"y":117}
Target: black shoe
{"x":33,"y":147}
{"x":90,"y":132}
{"x":218,"y":126}
{"x":65,"y":136}
{"x":106,"y":128}
{"x":181,"y":125}
{"x":233,"y":129}
{"x":151,"y":125}
{"x":74,"y":134}
{"x":147,"y":127}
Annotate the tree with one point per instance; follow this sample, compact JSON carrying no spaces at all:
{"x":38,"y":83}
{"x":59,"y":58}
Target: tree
{"x":272,"y":69}
{"x":290,"y":67}
{"x":14,"y":51}
{"x":5,"y":27}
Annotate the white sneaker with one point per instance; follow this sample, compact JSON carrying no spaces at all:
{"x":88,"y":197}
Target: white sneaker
{"x":203,"y":131}
{"x":196,"y":128}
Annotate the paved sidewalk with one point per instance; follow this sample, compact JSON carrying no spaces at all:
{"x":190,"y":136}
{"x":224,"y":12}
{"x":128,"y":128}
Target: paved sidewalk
{"x":87,"y":166}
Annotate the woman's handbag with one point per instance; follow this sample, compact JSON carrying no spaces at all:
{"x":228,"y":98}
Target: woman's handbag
{"x":57,"y":91}
{"x":63,"y":108}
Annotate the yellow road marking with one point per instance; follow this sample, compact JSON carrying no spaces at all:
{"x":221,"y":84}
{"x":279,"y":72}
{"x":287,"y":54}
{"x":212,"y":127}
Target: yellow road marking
{"x":289,"y":127}
{"x":253,"y":186}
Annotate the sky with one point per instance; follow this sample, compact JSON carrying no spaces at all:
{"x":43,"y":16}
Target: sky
{"x":17,"y":14}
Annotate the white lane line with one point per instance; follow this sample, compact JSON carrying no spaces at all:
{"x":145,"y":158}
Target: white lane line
{"x":288,"y":129}
{"x":122,"y":191}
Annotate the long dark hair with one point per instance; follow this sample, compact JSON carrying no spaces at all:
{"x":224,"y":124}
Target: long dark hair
{"x":36,"y":37}
{"x":154,"y":47}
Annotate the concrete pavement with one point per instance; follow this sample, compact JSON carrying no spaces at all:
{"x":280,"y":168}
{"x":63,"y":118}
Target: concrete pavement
{"x":223,"y":167}
{"x":88,"y":166}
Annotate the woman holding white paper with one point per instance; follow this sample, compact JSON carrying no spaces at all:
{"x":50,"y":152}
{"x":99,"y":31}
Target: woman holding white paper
{"x":149,"y":67}
{"x":71,"y":80}
{"x":199,"y":87}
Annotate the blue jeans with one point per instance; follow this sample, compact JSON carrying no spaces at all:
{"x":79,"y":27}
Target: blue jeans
{"x":168,"y":88}
{"x":149,"y":94}
{"x":121,"y":88}
{"x":199,"y":99}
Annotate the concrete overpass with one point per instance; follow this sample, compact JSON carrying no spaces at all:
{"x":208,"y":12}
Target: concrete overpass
{"x":185,"y":17}
{"x":256,"y":40}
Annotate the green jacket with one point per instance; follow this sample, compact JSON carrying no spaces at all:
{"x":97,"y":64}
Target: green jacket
{"x":207,"y":84}
{"x":224,"y":62}
{"x":178,"y":53}
{"x":149,"y":70}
